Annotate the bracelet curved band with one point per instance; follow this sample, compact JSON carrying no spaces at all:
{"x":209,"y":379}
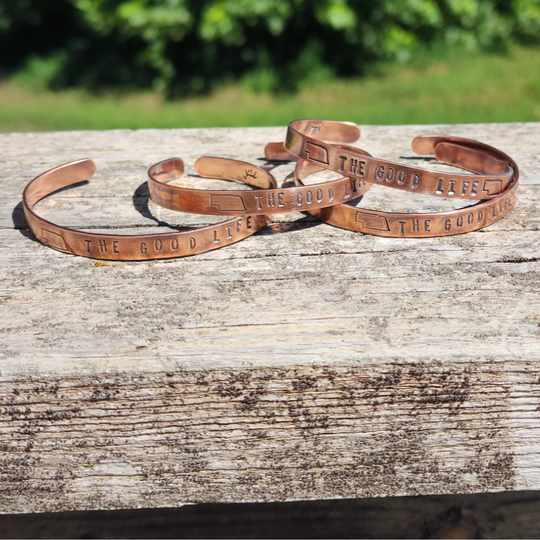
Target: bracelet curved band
{"x":425,"y":225}
{"x":124,"y":247}
{"x":267,"y":200}
{"x":308,"y":140}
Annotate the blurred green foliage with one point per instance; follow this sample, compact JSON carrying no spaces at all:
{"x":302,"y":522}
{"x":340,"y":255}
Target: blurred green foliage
{"x":192,"y":46}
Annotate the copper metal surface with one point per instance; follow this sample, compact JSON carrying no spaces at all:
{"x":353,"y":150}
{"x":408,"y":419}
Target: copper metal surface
{"x":469,"y":154}
{"x":318,"y":145}
{"x":268,"y":200}
{"x":311,"y":140}
{"x":125,"y":247}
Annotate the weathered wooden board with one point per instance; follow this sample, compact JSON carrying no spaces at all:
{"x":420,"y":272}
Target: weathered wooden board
{"x":306,"y":362}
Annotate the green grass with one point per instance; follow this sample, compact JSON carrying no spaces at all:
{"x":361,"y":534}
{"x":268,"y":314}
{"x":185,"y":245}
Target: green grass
{"x":458,"y":88}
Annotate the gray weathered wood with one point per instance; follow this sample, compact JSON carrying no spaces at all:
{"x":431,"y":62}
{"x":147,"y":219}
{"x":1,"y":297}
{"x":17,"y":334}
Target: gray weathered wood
{"x":306,"y":362}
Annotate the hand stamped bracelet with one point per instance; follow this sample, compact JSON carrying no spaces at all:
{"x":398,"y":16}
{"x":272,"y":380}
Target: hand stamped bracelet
{"x":334,"y":132}
{"x":306,"y":139}
{"x":124,"y":247}
{"x":432,"y":224}
{"x":268,"y":200}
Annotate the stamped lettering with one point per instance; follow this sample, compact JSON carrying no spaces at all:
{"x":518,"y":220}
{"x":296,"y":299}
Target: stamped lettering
{"x":357,"y":167}
{"x":400,"y":177}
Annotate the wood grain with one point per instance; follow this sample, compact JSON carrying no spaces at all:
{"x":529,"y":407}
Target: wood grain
{"x":305,"y":362}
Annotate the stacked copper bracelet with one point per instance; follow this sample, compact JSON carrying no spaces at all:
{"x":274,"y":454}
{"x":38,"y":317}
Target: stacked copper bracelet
{"x":495,"y":182}
{"x":130,"y":247}
{"x":316,"y":145}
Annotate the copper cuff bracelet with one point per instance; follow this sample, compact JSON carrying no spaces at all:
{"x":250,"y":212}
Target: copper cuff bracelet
{"x":124,"y":247}
{"x":469,"y":154}
{"x":268,"y":200}
{"x":308,"y":140}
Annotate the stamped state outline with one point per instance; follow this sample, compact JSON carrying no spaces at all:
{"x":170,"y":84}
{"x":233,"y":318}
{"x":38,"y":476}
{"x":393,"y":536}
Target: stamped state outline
{"x":228,"y":203}
{"x":373,"y":222}
{"x":316,"y":152}
{"x":493,"y":187}
{"x":54,"y":240}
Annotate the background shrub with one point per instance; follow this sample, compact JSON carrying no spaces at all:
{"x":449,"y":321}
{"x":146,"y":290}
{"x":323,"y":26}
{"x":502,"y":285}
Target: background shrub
{"x":191,"y":46}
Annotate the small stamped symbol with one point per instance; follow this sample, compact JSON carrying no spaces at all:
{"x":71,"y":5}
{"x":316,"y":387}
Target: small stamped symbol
{"x":313,"y":130}
{"x":250,"y":173}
